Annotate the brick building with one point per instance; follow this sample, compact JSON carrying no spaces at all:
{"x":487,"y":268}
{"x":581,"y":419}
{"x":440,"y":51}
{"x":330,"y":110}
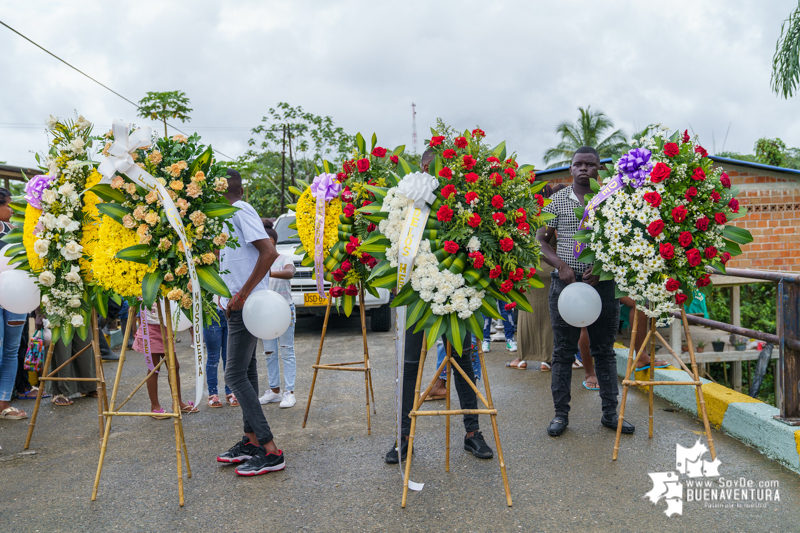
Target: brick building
{"x":772,"y":198}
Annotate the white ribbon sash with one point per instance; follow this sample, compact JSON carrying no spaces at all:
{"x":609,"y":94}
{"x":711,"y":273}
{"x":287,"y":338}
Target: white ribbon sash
{"x":319,"y":238}
{"x":121,"y":161}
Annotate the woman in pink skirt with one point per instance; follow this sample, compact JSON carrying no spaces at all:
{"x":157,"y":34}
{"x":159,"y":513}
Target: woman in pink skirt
{"x":157,"y":351}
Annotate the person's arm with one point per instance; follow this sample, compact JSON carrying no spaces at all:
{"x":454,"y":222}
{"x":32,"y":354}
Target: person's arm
{"x":266,"y":256}
{"x":565,"y":272}
{"x":287,"y":272}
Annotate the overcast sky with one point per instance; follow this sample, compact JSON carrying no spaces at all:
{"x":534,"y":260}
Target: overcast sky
{"x":515,"y":68}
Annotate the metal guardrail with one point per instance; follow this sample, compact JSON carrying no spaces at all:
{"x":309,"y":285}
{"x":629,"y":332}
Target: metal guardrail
{"x":787,"y":339}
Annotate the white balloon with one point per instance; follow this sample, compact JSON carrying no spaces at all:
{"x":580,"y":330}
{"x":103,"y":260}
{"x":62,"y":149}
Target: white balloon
{"x":579,"y":304}
{"x":4,"y":260}
{"x":266,"y":314}
{"x":179,"y":320}
{"x":18,"y":292}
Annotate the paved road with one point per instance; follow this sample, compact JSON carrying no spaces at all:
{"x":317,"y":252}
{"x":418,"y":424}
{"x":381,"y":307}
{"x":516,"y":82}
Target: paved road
{"x":336,"y":479}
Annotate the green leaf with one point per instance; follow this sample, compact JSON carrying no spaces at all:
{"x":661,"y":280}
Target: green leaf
{"x":374,"y":142}
{"x":14,"y":236}
{"x":521,"y":300}
{"x":117,"y":298}
{"x":380,"y":194}
{"x":499,"y":151}
{"x":138,"y":253}
{"x":416,"y":311}
{"x":587,"y":256}
{"x":107,"y":193}
{"x":738,"y":235}
{"x":349,"y":301}
{"x":150,"y":285}
{"x":380,"y":269}
{"x":295,"y":190}
{"x":606,"y":276}
{"x":490,"y":308}
{"x":594,"y":185}
{"x":219,"y":210}
{"x":372,"y":290}
{"x":303,"y":183}
{"x":399,"y":150}
{"x":13,"y":249}
{"x":456,"y":332}
{"x":435,"y":331}
{"x":475,"y":325}
{"x":386,"y":281}
{"x":536,"y":282}
{"x":114,"y":211}
{"x":732,"y":248}
{"x":546,"y":216}
{"x":618,"y":293}
{"x":202,"y":162}
{"x":212,"y":282}
{"x":406,"y":296}
{"x":55,"y":334}
{"x":362,"y":148}
{"x":101,"y":302}
{"x":583,"y":236}
{"x":67,"y":332}
{"x":403,"y":164}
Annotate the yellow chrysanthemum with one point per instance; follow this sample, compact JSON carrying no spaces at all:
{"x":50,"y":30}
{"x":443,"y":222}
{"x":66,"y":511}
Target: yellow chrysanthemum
{"x":91,"y":226}
{"x":306,"y":213}
{"x":122,"y":277}
{"x":29,"y":239}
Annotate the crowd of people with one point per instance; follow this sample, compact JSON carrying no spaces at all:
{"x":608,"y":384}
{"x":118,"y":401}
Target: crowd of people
{"x":545,"y":339}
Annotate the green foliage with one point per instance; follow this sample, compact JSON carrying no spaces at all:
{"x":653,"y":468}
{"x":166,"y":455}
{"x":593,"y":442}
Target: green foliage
{"x":587,"y":131}
{"x":786,"y":61}
{"x":165,"y":105}
{"x":770,"y":151}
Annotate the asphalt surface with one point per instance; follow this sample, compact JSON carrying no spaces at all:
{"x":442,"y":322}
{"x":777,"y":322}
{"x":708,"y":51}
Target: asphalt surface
{"x":336,"y":479}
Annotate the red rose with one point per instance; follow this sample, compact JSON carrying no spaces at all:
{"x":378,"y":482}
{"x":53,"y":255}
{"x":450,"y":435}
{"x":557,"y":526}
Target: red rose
{"x":517,"y":274}
{"x":671,"y":150}
{"x":506,"y":286}
{"x":338,"y":274}
{"x":499,"y":218}
{"x":394,"y":159}
{"x":363,"y":165}
{"x":693,"y":257}
{"x":511,"y":173}
{"x":349,"y":166}
{"x":673,"y":285}
{"x":666,"y":250}
{"x":450,"y":247}
{"x":685,"y":136}
{"x":513,"y":163}
{"x":531,"y":272}
{"x":346,"y":266}
{"x":460,"y":142}
{"x":478,"y":133}
{"x":444,"y":214}
{"x":539,"y":199}
{"x":700,"y":150}
{"x":497,"y":201}
{"x":477,"y":259}
{"x":704,"y":280}
{"x":725,"y":257}
{"x":372,"y":262}
{"x":349,"y":210}
{"x":497,"y":178}
{"x":493,"y":162}
{"x":524,"y":228}
{"x":652,"y":198}
{"x":521,"y":215}
{"x":679,"y":213}
{"x":495,"y":272}
{"x":379,"y":152}
{"x":365,"y":257}
{"x":511,"y":306}
{"x":449,"y":153}
{"x":336,"y":292}
{"x":660,"y":172}
{"x":351,"y":290}
{"x":685,"y":239}
{"x":702,"y":223}
{"x":468,"y":161}
{"x":690,"y":193}
{"x":720,"y":218}
{"x":448,"y":190}
{"x":372,"y":227}
{"x":734,"y":205}
{"x":446,"y":173}
{"x":680,"y":298}
{"x":531,"y":176}
{"x":471,"y":177}
{"x":656,"y":227}
{"x":341,"y":176}
{"x":471,"y":196}
{"x":698,"y":174}
{"x":436,"y":140}
{"x":506,"y":244}
{"x":725,"y":180}
{"x":710,"y":252}
{"x":352,"y":246}
{"x":474,"y":220}
{"x":715,"y":197}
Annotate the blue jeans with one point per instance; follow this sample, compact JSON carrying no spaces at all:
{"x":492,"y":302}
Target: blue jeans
{"x":508,"y":323}
{"x":10,"y":335}
{"x":216,"y":337}
{"x":284,"y":344}
{"x":476,"y":361}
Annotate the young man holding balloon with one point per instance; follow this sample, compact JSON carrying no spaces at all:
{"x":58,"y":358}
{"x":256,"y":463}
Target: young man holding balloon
{"x":601,"y":318}
{"x":245,"y":271}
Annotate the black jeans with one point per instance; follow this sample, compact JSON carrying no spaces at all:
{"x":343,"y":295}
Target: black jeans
{"x":602,"y":335}
{"x":241,"y":374}
{"x":466,"y":396}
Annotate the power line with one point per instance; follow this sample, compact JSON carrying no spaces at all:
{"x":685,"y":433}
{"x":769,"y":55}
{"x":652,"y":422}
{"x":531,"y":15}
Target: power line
{"x":97,"y":82}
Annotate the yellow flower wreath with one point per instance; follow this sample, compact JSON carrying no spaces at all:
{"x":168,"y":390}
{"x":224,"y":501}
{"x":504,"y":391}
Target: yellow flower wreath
{"x":306,"y":213}
{"x":29,"y":239}
{"x":122,"y":277}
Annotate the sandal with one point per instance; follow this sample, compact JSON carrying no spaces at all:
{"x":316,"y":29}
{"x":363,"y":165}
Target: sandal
{"x":659,"y":364}
{"x":213,"y":401}
{"x":92,"y":394}
{"x":544,"y":367}
{"x":232,"y":401}
{"x":577,"y":364}
{"x":31,"y":394}
{"x":61,"y":400}
{"x":12,"y":413}
{"x":596,"y":386}
{"x":189,"y":408}
{"x":158,"y":411}
{"x":522,"y":365}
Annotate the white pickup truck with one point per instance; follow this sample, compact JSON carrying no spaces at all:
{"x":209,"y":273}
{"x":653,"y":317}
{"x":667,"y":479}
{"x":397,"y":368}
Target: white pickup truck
{"x":304,"y":287}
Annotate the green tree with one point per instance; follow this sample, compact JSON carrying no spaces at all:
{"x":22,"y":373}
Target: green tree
{"x":770,"y":151}
{"x":587,"y":131}
{"x":165,"y":105}
{"x":786,"y":61}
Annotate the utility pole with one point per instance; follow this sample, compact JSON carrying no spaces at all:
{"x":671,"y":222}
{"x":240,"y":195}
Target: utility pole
{"x":414,"y":126}
{"x":283,"y":170}
{"x":291,"y":159}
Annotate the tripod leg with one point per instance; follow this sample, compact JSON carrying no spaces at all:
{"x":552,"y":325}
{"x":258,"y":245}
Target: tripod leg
{"x":448,"y":375}
{"x":629,"y":367}
{"x":98,"y":362}
{"x":496,"y":432}
{"x":35,"y":413}
{"x":319,"y":355}
{"x":701,"y":399}
{"x":651,"y":388}
{"x":413,"y":422}
{"x":173,"y":385}
{"x":362,"y":312}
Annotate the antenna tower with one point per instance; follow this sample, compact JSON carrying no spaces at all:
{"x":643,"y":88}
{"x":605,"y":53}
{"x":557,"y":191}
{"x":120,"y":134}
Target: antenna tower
{"x":414,"y":126}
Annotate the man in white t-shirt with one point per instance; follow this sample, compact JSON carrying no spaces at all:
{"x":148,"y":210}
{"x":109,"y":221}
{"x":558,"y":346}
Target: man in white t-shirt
{"x":246,"y":270}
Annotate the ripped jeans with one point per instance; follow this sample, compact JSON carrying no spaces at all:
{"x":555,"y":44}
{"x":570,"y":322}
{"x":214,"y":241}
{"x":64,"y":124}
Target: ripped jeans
{"x":286,"y":344}
{"x":10,"y":335}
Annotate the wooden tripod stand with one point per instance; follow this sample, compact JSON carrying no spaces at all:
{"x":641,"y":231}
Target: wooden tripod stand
{"x":113,"y":411}
{"x":102,"y":400}
{"x":366,"y":369}
{"x":448,"y":363}
{"x":652,"y":334}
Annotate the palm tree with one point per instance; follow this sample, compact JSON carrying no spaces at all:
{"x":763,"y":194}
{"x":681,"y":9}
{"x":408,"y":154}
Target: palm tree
{"x":586,"y":132}
{"x":786,"y":61}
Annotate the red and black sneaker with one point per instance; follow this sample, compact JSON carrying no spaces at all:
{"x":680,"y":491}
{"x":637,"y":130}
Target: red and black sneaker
{"x":239,"y":452}
{"x":262,"y":462}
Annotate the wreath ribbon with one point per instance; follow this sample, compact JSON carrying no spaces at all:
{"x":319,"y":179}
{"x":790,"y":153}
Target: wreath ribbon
{"x":608,"y":190}
{"x":324,"y":188}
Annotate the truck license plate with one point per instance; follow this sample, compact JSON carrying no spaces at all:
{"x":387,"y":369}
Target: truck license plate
{"x":313,"y":299}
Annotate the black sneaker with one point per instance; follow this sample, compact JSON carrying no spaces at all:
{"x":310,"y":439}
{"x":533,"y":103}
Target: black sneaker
{"x":262,"y":462}
{"x":239,"y":452}
{"x":391,"y":456}
{"x":477,"y":446}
